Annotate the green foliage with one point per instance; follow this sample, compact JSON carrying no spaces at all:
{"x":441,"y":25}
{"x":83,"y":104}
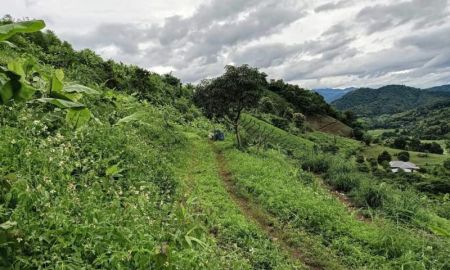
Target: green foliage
{"x":426,"y":123}
{"x":78,"y":117}
{"x":384,"y":156}
{"x":389,"y":99}
{"x":13,"y":85}
{"x":227,"y":96}
{"x":403,"y":156}
{"x":8,"y":30}
{"x":272,"y":181}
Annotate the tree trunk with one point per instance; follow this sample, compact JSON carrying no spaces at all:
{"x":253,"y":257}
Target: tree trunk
{"x":238,"y":136}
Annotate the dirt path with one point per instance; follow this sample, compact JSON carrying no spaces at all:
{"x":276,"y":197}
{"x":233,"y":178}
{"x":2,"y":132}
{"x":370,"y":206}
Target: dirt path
{"x":344,"y":199}
{"x":260,"y":217}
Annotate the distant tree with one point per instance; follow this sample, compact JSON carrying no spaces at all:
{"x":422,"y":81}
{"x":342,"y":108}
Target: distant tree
{"x":358,"y":134}
{"x":349,"y":118}
{"x":436,"y":148}
{"x":266,"y":105}
{"x":367,"y":139}
{"x":446,"y":164}
{"x":400,"y":143}
{"x":385,"y":156}
{"x":298,"y":119}
{"x":229,"y":95}
{"x":403,"y":156}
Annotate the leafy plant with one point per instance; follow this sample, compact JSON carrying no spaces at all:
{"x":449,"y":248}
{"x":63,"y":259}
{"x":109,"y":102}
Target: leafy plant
{"x":8,"y":30}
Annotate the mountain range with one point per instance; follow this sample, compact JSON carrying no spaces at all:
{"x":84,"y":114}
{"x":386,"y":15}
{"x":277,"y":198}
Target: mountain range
{"x":332,"y":94}
{"x":390,"y":99}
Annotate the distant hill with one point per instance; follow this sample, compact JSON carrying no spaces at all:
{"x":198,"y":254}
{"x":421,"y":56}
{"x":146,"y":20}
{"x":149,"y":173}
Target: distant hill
{"x":389,"y":99}
{"x":427,"y":122}
{"x":442,"y":88}
{"x":332,"y":94}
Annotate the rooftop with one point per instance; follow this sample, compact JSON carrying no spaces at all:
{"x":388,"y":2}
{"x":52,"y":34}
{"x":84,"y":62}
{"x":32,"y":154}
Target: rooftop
{"x":403,"y":165}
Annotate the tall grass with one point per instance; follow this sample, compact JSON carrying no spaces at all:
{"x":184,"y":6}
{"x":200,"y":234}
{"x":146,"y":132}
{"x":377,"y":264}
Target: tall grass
{"x":273,"y":182}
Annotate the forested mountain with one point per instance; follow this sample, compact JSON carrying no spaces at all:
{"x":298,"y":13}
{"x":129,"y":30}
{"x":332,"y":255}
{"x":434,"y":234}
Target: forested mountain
{"x":331,"y":94}
{"x":428,"y":122}
{"x":442,"y":88}
{"x":388,"y":100}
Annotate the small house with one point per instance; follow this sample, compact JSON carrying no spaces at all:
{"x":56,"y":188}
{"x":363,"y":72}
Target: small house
{"x":404,"y":166}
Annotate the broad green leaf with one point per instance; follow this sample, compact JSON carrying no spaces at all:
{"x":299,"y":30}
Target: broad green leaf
{"x":17,"y":90}
{"x":66,"y":96}
{"x":16,"y":67}
{"x":8,"y":30}
{"x":6,"y":92}
{"x":78,"y":117}
{"x":138,"y":116}
{"x":77,"y":88}
{"x":25,"y":93}
{"x":61,"y":103}
{"x":57,"y":80}
{"x":7,"y":225}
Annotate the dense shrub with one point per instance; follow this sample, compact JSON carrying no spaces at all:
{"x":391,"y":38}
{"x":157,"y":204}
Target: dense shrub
{"x":403,"y":156}
{"x":344,"y":182}
{"x":316,"y":163}
{"x":384,"y":156}
{"x":370,"y":194}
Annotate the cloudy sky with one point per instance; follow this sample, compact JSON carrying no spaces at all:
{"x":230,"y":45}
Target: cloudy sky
{"x":320,"y":43}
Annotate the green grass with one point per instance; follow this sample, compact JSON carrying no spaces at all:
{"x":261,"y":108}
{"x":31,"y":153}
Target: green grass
{"x":239,"y":243}
{"x":377,"y":132}
{"x":416,"y":157}
{"x":291,"y":195}
{"x":260,"y":130}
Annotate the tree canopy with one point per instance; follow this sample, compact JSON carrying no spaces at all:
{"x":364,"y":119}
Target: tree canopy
{"x":227,"y":96}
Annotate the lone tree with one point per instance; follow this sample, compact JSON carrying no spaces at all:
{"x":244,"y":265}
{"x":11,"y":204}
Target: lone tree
{"x":385,"y":156}
{"x":227,"y":96}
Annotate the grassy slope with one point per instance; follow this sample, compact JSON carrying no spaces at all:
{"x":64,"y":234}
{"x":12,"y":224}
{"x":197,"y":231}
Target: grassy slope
{"x":239,"y":243}
{"x":431,"y":159}
{"x":292,"y":196}
{"x":301,"y":144}
{"x":328,"y":124}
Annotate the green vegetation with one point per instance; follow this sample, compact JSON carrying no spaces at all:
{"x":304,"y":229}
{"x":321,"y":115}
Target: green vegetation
{"x":388,"y":100}
{"x":421,"y":159}
{"x":426,"y":123}
{"x":107,"y":166}
{"x":296,"y":199}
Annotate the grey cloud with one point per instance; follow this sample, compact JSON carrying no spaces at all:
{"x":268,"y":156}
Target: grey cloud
{"x":201,"y":38}
{"x":333,"y":5}
{"x":432,"y":40}
{"x":266,"y":55}
{"x":422,"y":12}
{"x":126,"y":37}
{"x":241,"y":31}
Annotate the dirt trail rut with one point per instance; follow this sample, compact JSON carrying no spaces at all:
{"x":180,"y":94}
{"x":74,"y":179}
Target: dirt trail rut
{"x":260,"y":217}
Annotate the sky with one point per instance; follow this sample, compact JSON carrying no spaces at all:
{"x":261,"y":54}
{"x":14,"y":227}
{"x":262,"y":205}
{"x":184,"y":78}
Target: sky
{"x":316,"y":44}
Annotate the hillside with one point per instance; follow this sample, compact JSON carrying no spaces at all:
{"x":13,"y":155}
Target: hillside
{"x":428,"y":122}
{"x":389,"y":99}
{"x":110,"y":166}
{"x":282,"y":102}
{"x":442,"y":88}
{"x":331,"y":94}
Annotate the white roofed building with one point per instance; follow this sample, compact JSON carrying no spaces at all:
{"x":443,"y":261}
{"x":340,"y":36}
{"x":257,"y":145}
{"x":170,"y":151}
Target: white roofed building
{"x":404,"y":166}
